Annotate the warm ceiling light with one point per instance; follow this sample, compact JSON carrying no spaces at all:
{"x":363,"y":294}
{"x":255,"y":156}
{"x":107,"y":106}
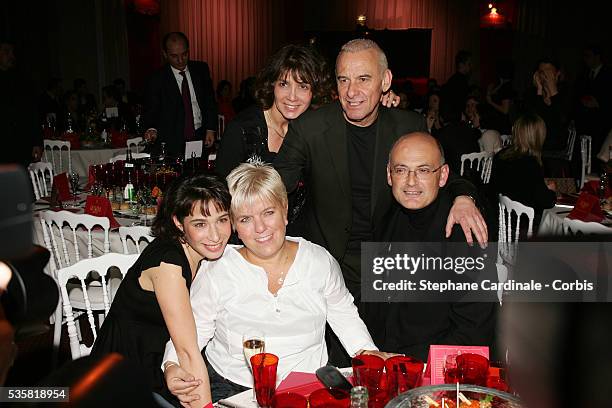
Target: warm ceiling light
{"x":490,"y":5}
{"x":361,"y":19}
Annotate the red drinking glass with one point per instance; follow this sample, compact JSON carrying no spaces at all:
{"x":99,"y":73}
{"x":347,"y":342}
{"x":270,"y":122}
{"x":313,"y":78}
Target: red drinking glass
{"x":403,"y":374}
{"x":368,"y":371}
{"x":472,"y":369}
{"x":264,"y":375}
{"x":289,"y":400}
{"x":329,"y":398}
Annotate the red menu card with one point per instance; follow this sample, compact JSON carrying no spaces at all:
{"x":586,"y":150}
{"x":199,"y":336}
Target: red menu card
{"x":60,"y":184}
{"x":101,"y":207}
{"x":434,"y":373}
{"x":587,"y":209}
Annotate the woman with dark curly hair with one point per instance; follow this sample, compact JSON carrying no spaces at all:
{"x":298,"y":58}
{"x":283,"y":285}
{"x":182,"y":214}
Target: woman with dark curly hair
{"x":152,"y":304}
{"x":294,"y":78}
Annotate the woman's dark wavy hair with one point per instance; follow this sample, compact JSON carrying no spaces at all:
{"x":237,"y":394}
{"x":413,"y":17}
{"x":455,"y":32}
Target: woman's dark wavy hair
{"x":305,"y":65}
{"x":180,"y":198}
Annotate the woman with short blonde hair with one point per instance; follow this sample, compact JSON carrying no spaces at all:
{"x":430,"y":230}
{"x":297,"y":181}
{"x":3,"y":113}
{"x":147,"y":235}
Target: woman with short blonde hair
{"x":251,"y":181}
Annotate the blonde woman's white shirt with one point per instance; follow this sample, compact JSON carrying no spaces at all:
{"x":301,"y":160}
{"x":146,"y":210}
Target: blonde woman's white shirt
{"x":230,"y":296}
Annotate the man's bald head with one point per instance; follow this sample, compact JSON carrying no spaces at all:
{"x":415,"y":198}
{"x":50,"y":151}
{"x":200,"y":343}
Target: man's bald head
{"x":416,"y":170}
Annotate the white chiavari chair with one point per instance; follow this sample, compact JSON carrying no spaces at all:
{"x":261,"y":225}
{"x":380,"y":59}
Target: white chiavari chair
{"x":134,"y":142}
{"x":41,"y":174}
{"x":509,"y":235}
{"x":53,"y":150}
{"x":65,"y":250}
{"x":484,"y":162}
{"x":577,"y":227}
{"x":79,"y":299}
{"x":136,"y":234}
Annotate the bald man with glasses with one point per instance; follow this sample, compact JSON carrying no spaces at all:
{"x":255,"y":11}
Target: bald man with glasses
{"x":417,"y":174}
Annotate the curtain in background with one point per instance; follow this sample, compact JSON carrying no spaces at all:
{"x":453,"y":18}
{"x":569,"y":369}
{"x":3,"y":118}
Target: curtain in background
{"x":233,"y":36}
{"x":112,"y":42}
{"x":454,"y":24}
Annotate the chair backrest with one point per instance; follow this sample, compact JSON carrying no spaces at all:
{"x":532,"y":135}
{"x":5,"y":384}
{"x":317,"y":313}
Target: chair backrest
{"x":50,"y":154}
{"x":506,"y":140}
{"x":38,"y":176}
{"x":135,"y":141}
{"x":81,"y":271}
{"x":134,"y":156}
{"x":137,"y":234}
{"x":506,"y":208}
{"x":577,"y":227}
{"x":508,"y":237}
{"x":484,"y":161}
{"x":220,"y":126}
{"x":571,"y":139}
{"x":585,"y":155}
{"x":53,"y":224}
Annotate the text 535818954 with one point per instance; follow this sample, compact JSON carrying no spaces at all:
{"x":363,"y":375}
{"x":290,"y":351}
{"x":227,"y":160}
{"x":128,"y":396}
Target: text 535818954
{"x":34,"y":394}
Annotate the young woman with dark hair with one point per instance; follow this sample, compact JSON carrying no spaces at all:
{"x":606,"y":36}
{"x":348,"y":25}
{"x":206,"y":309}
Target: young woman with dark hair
{"x":152,"y":304}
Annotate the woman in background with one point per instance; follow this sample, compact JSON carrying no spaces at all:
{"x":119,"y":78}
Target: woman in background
{"x":294,"y":77}
{"x":517,"y":170}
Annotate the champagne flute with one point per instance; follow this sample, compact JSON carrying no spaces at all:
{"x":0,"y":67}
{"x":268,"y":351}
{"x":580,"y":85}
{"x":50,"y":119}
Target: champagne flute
{"x":74,"y":184}
{"x":253,"y":342}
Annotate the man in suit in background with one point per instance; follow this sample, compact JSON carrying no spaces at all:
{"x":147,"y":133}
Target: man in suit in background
{"x":341,"y":152}
{"x":179,"y":104}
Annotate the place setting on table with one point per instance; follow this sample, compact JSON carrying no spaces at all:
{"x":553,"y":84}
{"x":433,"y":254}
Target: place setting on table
{"x":593,"y":204}
{"x":453,"y":377}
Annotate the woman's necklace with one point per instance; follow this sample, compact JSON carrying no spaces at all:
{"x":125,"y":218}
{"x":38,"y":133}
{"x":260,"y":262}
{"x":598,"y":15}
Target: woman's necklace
{"x":269,"y":124}
{"x":281,"y":278}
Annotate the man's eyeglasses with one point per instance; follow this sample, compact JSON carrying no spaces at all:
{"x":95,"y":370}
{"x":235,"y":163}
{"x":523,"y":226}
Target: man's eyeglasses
{"x":421,"y":173}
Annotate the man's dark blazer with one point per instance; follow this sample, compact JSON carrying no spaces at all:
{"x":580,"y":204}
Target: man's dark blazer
{"x":163,"y":105}
{"x":316,"y":148}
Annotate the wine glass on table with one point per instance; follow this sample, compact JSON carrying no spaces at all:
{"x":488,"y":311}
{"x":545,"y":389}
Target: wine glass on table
{"x":74,"y":185}
{"x":253,"y":342}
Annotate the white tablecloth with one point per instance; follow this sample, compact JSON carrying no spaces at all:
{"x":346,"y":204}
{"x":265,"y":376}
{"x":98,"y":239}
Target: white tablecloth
{"x":82,"y":159}
{"x":552,"y":220}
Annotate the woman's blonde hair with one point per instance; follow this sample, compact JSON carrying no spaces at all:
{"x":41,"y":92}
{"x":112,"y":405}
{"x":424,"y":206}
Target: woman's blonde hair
{"x":255,"y":181}
{"x":528,"y":134}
